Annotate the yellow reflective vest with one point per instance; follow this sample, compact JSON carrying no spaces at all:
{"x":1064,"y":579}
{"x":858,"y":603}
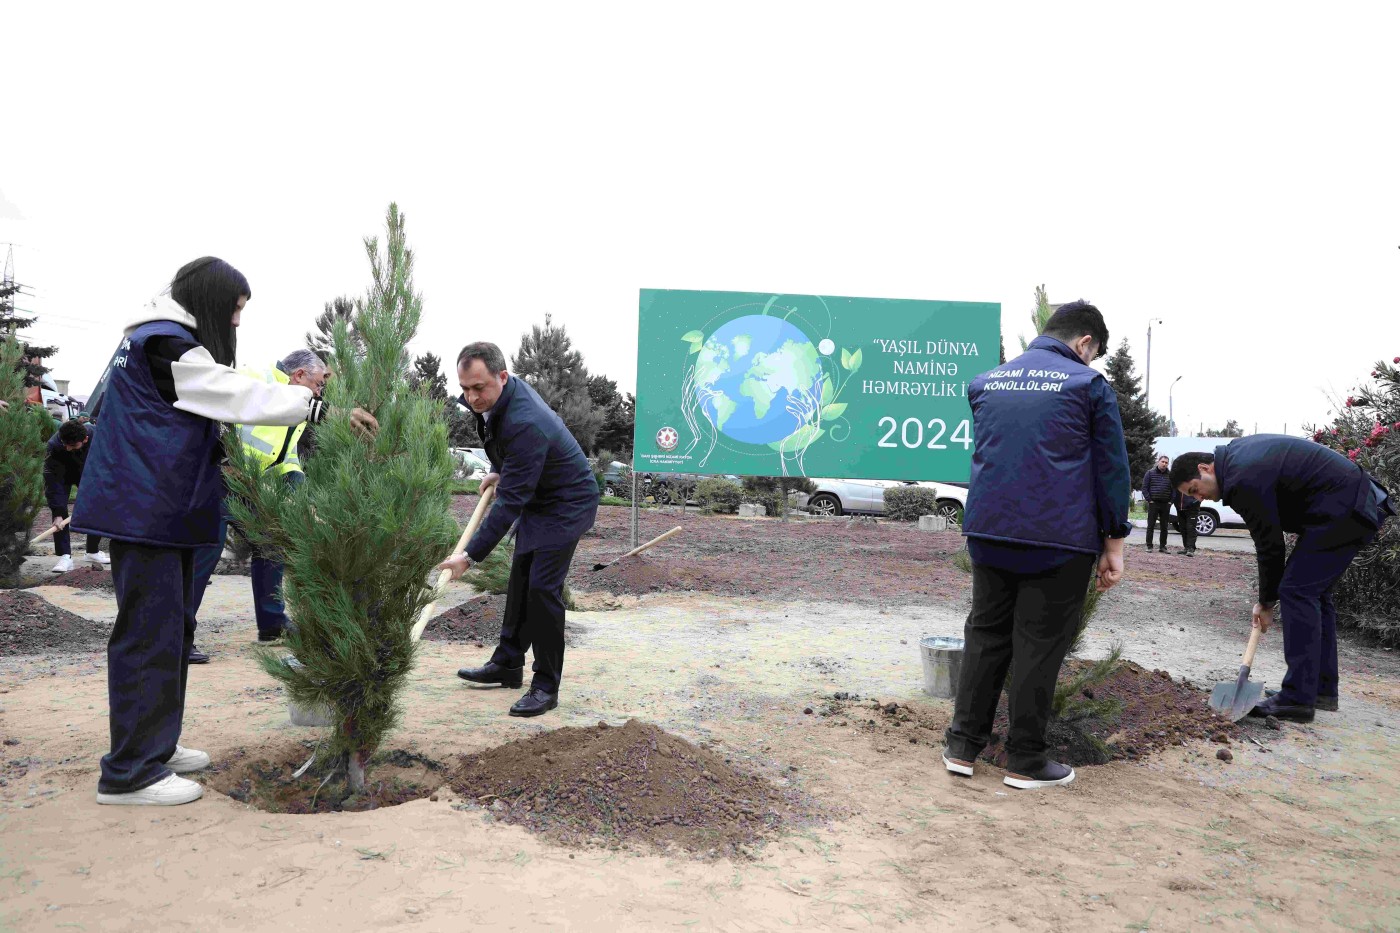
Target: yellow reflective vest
{"x":274,"y":447}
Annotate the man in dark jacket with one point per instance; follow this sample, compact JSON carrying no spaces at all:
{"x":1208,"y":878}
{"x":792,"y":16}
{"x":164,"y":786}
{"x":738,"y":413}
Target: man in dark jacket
{"x":544,"y":482}
{"x":1157,"y":495}
{"x":1047,"y":510}
{"x":63,"y":470}
{"x":1288,"y":484}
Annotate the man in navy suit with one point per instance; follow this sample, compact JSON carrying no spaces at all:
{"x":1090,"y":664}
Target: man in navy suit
{"x":543,"y":480}
{"x":1288,"y":484}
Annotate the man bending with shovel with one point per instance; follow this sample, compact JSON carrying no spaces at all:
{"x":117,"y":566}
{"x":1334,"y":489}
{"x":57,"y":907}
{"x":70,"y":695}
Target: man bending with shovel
{"x":1288,"y":484}
{"x":543,"y":479}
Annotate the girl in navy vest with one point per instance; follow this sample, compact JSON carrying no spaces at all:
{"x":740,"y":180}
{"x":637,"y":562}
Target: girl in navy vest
{"x":152,"y":485}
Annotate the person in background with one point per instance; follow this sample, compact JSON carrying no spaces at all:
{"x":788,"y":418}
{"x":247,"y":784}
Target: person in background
{"x":152,"y":484}
{"x":1157,"y":496}
{"x":63,"y":470}
{"x":1047,"y":513}
{"x":1188,"y":509}
{"x":1283,"y":485}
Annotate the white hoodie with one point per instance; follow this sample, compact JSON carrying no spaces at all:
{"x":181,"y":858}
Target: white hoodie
{"x":210,"y":389}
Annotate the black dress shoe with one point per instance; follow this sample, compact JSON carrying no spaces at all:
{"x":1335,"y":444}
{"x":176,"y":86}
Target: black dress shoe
{"x":1288,"y":711}
{"x":534,"y":703}
{"x":197,"y":657}
{"x":493,"y":673}
{"x":1326,"y":704}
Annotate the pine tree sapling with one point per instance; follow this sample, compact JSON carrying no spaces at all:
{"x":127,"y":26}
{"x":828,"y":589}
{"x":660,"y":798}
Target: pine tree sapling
{"x":361,"y":536}
{"x":24,"y":431}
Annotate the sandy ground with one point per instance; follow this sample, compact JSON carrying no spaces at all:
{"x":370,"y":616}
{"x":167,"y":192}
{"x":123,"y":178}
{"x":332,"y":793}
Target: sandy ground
{"x":1300,"y":832}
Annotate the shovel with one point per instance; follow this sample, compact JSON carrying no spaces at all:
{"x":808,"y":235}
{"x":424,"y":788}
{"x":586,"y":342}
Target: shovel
{"x":638,"y":549}
{"x":1233,"y":699}
{"x":477,"y":515}
{"x":51,"y":529}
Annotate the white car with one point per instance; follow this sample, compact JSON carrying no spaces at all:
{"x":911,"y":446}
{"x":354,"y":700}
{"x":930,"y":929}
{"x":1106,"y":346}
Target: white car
{"x":470,"y":465}
{"x":867,"y":497}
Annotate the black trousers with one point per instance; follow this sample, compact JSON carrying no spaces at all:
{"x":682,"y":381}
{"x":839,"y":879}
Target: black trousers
{"x":1186,"y":518}
{"x":534,"y":614}
{"x":1023,"y":624}
{"x":1158,"y":512}
{"x":147,"y":662}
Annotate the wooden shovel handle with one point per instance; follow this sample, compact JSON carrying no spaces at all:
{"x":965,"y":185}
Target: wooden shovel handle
{"x":1249,"y":648}
{"x":63,"y":523}
{"x":444,"y":576}
{"x":652,"y":543}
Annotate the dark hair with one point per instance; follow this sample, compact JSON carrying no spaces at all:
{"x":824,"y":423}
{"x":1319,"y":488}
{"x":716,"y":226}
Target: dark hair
{"x":71,"y":432}
{"x":1075,"y":319}
{"x":488,"y":353}
{"x":209,"y":290}
{"x":1186,"y":467}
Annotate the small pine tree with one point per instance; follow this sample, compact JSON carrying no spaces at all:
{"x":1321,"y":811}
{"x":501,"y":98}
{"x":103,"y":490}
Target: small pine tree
{"x":1039,"y":317}
{"x":548,"y":362}
{"x":24,"y":430}
{"x":1141,"y":425}
{"x":361,"y":536}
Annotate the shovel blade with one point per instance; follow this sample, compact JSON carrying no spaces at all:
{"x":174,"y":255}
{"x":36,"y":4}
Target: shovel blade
{"x":597,"y":567}
{"x":1234,"y":700}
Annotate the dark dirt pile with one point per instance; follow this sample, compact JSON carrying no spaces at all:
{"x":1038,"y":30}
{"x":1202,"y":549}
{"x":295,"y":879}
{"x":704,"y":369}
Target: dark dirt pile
{"x":83,"y":576}
{"x":634,"y":576}
{"x":266,"y":782}
{"x":622,"y":785}
{"x":29,"y":624}
{"x":1157,"y":711}
{"x":478,"y":622}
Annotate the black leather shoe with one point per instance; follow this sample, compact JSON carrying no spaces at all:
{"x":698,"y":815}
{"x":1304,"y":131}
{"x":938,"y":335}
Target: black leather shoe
{"x":197,"y":656}
{"x":535,"y":703}
{"x":1324,"y":704}
{"x":269,"y":637}
{"x":493,"y":673}
{"x":1272,"y":707}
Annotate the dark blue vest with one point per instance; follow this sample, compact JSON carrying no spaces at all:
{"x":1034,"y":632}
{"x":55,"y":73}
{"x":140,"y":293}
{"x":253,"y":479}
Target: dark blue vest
{"x":1033,"y":463}
{"x":152,"y":476}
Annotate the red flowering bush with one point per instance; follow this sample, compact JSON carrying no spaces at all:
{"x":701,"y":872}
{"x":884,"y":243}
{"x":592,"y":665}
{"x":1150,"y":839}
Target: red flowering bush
{"x":1367,"y":431}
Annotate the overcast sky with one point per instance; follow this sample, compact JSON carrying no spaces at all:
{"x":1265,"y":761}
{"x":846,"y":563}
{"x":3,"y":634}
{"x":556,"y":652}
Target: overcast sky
{"x":1228,"y":168}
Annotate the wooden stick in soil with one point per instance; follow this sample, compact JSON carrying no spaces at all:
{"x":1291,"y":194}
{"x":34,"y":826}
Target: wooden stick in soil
{"x":478,"y":514}
{"x":640,"y":548}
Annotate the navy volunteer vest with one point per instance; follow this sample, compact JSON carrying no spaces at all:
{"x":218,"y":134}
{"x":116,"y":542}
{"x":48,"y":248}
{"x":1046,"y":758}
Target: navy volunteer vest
{"x":152,"y":476}
{"x":1032,"y":462}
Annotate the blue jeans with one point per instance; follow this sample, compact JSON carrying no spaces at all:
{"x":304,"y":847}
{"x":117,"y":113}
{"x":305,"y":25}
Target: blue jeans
{"x":267,"y":596}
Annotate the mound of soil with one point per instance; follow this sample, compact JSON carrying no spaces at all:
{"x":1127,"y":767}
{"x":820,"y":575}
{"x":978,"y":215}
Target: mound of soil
{"x":635,"y":576}
{"x":29,"y":624}
{"x":633,"y":784}
{"x":478,"y":621}
{"x":266,"y":782}
{"x":83,"y":576}
{"x":1156,"y":711}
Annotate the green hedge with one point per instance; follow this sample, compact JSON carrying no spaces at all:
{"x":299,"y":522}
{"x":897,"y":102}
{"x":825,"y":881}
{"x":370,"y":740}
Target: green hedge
{"x":718,"y":495}
{"x":907,"y":503}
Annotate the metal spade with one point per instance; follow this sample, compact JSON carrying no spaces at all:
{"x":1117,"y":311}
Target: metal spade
{"x":1233,"y":699}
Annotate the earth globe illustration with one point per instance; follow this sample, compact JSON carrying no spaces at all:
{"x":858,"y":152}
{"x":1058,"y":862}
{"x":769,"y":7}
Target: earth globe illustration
{"x":758,"y":379}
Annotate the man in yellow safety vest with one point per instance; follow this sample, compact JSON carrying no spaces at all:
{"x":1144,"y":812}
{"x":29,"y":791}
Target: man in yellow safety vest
{"x":276,"y":449}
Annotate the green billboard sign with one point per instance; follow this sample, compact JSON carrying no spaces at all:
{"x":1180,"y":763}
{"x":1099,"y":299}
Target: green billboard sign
{"x":804,"y":385}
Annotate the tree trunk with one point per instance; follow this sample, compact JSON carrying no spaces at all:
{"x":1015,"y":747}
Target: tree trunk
{"x":355,"y":772}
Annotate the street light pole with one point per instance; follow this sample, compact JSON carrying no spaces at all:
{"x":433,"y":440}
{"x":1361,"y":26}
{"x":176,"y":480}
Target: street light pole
{"x":1171,"y":417}
{"x":1147,"y":382}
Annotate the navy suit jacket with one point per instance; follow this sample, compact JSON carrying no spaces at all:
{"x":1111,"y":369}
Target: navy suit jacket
{"x":545,"y":482}
{"x":1287,"y":484}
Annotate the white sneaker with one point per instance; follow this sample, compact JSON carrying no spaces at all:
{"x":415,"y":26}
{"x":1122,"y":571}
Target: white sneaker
{"x":97,"y":557}
{"x":170,"y":791}
{"x":186,"y":760}
{"x":63,"y":564}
